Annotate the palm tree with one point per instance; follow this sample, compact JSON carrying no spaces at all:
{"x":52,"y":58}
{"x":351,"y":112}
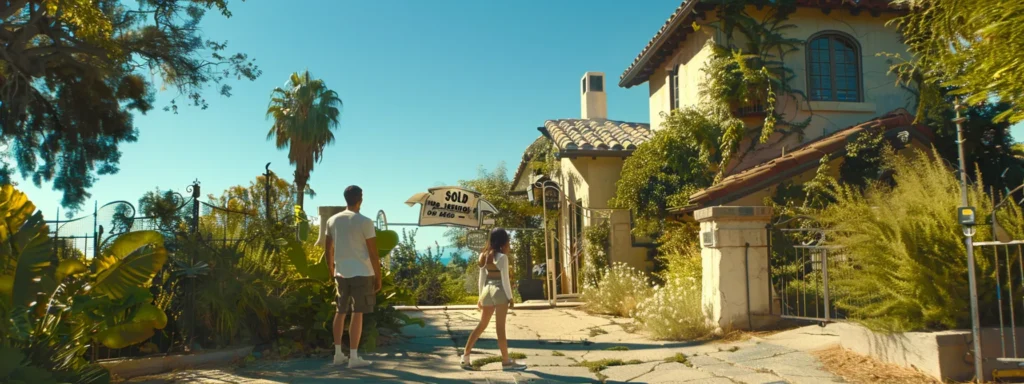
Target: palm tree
{"x":305,"y":112}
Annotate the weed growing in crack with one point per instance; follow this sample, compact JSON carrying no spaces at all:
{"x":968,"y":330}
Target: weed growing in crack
{"x":597,"y":366}
{"x":594,"y":332}
{"x":679,"y":358}
{"x":556,"y":353}
{"x":617,"y":348}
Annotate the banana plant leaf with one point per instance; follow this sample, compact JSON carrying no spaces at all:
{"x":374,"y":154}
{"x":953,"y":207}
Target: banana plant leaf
{"x":131,"y":261}
{"x":29,"y":250}
{"x":386,"y":242}
{"x":142,"y":325}
{"x":70,"y":267}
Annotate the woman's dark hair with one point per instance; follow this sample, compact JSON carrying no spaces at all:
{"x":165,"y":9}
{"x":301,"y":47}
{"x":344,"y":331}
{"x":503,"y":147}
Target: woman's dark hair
{"x":495,"y":243}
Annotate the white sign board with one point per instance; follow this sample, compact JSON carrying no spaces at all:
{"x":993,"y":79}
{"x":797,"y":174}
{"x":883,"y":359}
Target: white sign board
{"x":476,"y":240}
{"x":451,"y":206}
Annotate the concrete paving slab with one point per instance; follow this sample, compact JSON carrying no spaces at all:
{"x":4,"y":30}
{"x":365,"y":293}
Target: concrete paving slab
{"x":759,"y":378}
{"x":727,"y":370}
{"x":753,"y":352}
{"x":563,"y":374}
{"x":704,"y":360}
{"x":625,"y":373}
{"x":429,"y":354}
{"x":807,"y":339}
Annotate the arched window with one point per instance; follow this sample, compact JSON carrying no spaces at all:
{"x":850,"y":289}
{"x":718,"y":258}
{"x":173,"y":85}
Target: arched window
{"x":833,"y":68}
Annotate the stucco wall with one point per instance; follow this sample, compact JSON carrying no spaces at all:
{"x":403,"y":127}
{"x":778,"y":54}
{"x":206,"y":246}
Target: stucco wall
{"x":592,"y":181}
{"x":880,"y":93}
{"x":689,"y":60}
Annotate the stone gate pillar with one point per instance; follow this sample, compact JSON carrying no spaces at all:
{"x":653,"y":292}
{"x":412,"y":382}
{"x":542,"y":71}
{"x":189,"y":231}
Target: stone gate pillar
{"x":734,"y":254}
{"x":325,"y":212}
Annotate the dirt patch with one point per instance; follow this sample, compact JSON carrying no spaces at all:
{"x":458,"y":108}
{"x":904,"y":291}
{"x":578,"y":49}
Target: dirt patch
{"x":859,"y":369}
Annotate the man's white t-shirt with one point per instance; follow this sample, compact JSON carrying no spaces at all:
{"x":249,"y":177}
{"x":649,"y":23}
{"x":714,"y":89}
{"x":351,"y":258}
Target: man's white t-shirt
{"x":350,"y":231}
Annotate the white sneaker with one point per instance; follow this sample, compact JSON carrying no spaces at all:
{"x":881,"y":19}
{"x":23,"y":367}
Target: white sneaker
{"x":358,"y":362}
{"x":340,"y":359}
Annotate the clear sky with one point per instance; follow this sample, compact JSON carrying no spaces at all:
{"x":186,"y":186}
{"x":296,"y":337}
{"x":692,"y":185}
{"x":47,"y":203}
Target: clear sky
{"x":433,"y":90}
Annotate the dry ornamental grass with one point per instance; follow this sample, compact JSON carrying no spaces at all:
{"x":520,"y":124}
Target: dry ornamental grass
{"x":859,"y":369}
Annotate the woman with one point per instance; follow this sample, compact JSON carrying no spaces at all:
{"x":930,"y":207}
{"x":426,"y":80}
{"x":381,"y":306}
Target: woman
{"x":495,"y":296}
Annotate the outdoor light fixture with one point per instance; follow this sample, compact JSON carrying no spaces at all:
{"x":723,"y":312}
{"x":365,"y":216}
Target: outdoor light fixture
{"x":544,"y":191}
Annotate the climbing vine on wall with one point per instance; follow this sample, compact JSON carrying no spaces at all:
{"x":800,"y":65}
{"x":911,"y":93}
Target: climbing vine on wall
{"x":698,"y":142}
{"x":748,"y":66}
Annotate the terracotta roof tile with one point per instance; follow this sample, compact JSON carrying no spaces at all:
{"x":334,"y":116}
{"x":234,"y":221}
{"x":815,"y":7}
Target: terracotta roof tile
{"x":596,"y":134}
{"x":683,"y":18}
{"x":773,"y":171}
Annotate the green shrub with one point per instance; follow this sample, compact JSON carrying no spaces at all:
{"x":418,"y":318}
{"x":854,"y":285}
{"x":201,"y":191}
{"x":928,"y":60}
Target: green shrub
{"x":906,"y":266}
{"x":471,"y":278}
{"x":679,"y":254}
{"x":618,"y":293}
{"x":673,"y":312}
{"x":598,"y":238}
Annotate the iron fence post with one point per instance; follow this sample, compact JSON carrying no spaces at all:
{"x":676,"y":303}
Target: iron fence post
{"x":824,"y":278}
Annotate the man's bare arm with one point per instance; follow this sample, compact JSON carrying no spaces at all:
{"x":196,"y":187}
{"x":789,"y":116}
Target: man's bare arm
{"x":329,"y":254}
{"x":371,"y":245}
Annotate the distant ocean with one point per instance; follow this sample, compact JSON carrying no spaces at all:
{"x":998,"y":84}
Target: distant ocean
{"x":449,"y":251}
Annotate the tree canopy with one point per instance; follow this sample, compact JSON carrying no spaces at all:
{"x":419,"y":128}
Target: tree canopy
{"x":513,"y":212}
{"x":974,"y":49}
{"x":73,"y":73}
{"x":305,"y":112}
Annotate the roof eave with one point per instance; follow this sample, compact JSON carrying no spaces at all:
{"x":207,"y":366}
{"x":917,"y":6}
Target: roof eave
{"x":576,"y":153}
{"x":629,"y":80}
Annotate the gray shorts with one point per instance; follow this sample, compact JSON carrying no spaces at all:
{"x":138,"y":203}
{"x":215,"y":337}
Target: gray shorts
{"x":493,"y":294}
{"x":356,"y":294}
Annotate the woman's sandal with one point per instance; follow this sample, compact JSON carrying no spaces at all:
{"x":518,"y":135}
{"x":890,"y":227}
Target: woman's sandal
{"x":464,"y":364}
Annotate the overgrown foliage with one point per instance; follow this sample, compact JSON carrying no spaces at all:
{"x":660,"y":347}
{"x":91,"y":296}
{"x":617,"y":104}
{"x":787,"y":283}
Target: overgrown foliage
{"x":957,"y":44}
{"x":988,"y":143}
{"x":598,"y":241}
{"x":680,"y":159}
{"x":57,"y":309}
{"x":74,"y":72}
{"x":906,"y":265}
{"x":674,"y":310}
{"x":430,"y":281}
{"x":618,"y":293}
{"x":699,"y":142}
{"x":514,"y":211}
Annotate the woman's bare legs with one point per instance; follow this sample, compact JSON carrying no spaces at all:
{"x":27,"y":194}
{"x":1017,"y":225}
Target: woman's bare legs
{"x":480,"y":328}
{"x":499,"y":325}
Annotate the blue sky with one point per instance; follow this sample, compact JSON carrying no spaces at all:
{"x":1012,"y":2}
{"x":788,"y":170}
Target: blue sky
{"x":433,"y":90}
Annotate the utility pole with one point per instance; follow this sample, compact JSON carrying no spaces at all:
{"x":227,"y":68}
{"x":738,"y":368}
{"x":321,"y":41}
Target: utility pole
{"x":979,"y":373}
{"x":266,"y":192}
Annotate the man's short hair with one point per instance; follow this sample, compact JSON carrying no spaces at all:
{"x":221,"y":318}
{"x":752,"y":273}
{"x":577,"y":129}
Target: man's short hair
{"x":353,"y":195}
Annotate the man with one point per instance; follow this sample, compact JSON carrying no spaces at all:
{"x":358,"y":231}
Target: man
{"x":351,"y":250}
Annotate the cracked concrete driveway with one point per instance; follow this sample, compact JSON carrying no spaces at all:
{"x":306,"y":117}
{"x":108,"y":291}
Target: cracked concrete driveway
{"x":555,"y":342}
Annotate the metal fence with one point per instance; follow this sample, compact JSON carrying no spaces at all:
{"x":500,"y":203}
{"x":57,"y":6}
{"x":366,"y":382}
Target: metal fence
{"x":85,"y":237}
{"x":800,"y":266}
{"x":1007,"y":267}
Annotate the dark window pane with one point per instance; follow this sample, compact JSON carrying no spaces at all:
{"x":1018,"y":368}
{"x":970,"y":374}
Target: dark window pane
{"x":597,"y":83}
{"x":584,"y":82}
{"x":833,"y":69}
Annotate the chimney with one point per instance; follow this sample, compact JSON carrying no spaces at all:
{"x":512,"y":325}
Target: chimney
{"x":594,"y":103}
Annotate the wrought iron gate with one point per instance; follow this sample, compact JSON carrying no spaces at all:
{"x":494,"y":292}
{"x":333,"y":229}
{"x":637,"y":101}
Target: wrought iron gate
{"x":800,"y":266}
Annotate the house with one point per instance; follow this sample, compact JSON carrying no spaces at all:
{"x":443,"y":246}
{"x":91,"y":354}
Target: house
{"x":589,"y":151}
{"x":840,"y":85}
{"x":841,"y":81}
